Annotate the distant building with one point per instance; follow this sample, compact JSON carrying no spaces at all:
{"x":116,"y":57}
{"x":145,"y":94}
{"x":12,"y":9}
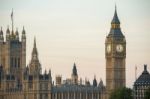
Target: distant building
{"x":115,"y":54}
{"x":18,"y":81}
{"x":142,"y":84}
{"x":72,"y":88}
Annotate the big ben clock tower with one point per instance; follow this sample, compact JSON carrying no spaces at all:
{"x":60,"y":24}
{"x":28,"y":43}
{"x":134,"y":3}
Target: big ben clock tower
{"x":115,"y":53}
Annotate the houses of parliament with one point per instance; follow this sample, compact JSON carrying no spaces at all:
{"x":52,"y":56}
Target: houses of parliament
{"x":19,"y":81}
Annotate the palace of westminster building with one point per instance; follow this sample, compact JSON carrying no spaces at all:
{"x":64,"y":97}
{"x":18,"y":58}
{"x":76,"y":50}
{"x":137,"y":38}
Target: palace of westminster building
{"x":18,"y":81}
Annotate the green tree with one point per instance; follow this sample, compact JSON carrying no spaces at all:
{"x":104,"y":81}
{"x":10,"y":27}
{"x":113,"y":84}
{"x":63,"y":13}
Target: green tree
{"x":147,"y":94}
{"x":122,"y":93}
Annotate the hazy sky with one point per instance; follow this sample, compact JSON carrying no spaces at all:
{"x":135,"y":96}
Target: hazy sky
{"x":69,"y":31}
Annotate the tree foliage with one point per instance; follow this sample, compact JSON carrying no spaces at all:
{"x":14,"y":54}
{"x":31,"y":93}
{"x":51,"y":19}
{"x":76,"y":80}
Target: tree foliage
{"x":147,"y":94}
{"x":122,"y":93}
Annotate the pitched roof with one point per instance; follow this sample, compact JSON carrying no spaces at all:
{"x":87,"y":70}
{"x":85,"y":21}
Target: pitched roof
{"x":144,"y":78}
{"x":115,"y":19}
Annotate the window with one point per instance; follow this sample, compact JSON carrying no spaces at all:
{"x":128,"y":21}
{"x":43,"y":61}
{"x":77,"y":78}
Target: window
{"x":46,"y":86}
{"x":46,"y":96}
{"x":40,"y":96}
{"x":41,"y":87}
{"x":25,"y":97}
{"x":15,"y":62}
{"x":18,"y":62}
{"x":35,"y":96}
{"x":30,"y":85}
{"x":11,"y":62}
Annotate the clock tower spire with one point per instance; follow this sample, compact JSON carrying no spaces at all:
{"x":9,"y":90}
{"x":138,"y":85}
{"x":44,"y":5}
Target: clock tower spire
{"x":115,"y":54}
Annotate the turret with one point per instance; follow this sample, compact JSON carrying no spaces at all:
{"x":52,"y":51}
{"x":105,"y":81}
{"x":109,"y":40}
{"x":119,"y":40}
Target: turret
{"x":94,"y":82}
{"x":34,"y":51}
{"x":12,"y":35}
{"x":35,"y":66}
{"x":1,"y":36}
{"x":13,"y":52}
{"x":45,"y":75}
{"x":23,"y":35}
{"x":74,"y":75}
{"x":7,"y":34}
{"x":50,"y":76}
{"x":87,"y":82}
{"x":23,"y":40}
{"x":101,"y":83}
{"x":17,"y":34}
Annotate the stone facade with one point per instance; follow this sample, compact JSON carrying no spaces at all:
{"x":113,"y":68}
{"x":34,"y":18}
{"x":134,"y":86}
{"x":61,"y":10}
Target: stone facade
{"x":115,"y":53}
{"x":27,"y":82}
{"x":18,"y":81}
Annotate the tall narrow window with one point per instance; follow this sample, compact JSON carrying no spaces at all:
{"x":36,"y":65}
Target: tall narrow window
{"x":35,"y":96}
{"x":15,"y":63}
{"x":11,"y":61}
{"x":40,"y":96}
{"x":18,"y":62}
{"x":3,"y":62}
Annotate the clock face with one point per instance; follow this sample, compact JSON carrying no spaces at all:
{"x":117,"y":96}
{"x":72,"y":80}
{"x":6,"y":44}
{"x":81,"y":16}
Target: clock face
{"x":119,"y":48}
{"x":108,"y":48}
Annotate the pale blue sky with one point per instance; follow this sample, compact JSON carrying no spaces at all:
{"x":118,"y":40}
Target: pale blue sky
{"x":69,"y":31}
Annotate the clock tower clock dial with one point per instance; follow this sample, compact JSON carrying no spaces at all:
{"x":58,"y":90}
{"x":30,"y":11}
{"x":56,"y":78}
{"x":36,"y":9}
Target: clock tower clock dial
{"x":119,"y":48}
{"x":108,"y":48}
{"x":115,"y":53}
